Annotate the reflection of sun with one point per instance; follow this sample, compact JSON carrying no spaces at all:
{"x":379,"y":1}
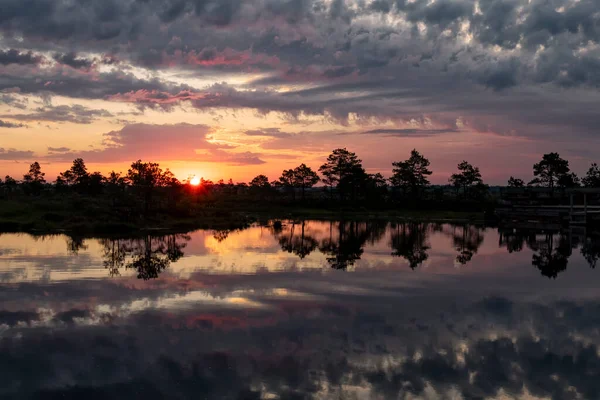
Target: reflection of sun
{"x":195,"y":181}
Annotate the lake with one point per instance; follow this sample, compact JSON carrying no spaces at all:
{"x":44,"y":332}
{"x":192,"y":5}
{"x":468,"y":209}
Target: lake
{"x":302,"y":310}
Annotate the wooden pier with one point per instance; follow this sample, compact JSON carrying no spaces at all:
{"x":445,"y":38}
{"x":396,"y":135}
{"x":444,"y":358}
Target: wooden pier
{"x":580,"y":210}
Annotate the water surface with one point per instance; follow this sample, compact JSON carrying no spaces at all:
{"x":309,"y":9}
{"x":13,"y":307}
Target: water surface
{"x":302,"y":310}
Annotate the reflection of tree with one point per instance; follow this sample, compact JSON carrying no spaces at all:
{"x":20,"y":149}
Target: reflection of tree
{"x":409,"y":241}
{"x":221,"y":235}
{"x":75,"y":244}
{"x":515,"y":239}
{"x":551,"y":258}
{"x":590,"y":250}
{"x":298,"y":244}
{"x":352,"y":236}
{"x":466,"y":240}
{"x":148,"y":255}
{"x":114,"y":253}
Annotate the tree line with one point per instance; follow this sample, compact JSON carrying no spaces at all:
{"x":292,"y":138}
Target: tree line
{"x":342,"y":174}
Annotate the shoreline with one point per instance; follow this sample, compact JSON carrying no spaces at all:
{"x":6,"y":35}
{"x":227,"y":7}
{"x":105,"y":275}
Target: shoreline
{"x":225,"y":220}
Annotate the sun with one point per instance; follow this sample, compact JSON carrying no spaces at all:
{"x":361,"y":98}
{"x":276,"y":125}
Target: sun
{"x":195,"y":181}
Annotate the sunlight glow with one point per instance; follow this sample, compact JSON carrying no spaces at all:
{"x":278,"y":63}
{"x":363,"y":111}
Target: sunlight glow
{"x":195,"y":181}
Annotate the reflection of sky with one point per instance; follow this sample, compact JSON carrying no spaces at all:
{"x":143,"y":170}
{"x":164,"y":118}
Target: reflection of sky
{"x":241,"y":318}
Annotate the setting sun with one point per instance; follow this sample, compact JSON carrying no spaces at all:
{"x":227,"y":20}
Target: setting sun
{"x":195,"y":181}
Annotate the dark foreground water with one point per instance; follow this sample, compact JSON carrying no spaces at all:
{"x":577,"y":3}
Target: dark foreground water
{"x":302,"y":310}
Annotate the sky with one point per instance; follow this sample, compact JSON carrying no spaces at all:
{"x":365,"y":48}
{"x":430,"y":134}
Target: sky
{"x":235,"y":88}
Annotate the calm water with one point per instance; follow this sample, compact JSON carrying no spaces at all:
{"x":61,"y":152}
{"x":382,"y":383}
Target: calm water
{"x":302,"y":310}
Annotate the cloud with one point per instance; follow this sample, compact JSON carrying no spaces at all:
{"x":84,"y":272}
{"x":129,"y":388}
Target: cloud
{"x":14,"y":56}
{"x":14,"y":154}
{"x":76,"y":114}
{"x":268,"y":132}
{"x":159,"y":143}
{"x":71,"y":60}
{"x":500,"y":65}
{"x":409,"y":132}
{"x":6,"y":124}
{"x":58,"y":149}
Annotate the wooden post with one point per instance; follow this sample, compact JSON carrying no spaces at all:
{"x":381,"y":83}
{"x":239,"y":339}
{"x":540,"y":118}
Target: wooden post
{"x":585,"y":208}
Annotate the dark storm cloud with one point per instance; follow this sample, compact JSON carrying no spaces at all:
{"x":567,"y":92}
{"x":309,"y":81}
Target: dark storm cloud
{"x":81,"y":85}
{"x":13,"y":56}
{"x":504,"y":46}
{"x":71,"y":60}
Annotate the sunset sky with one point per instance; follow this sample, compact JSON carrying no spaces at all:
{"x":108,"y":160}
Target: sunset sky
{"x":234,"y":88}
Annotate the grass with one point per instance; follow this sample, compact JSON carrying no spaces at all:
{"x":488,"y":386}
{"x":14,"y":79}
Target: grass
{"x":97,"y":216}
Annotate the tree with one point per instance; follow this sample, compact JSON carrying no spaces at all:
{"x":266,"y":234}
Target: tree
{"x":467,"y":178}
{"x":515,"y":182}
{"x":344,"y":171}
{"x":79,"y":172}
{"x":592,"y":177}
{"x":287,"y":181}
{"x":146,"y":177}
{"x":549,"y":171}
{"x":260,"y":181}
{"x":570,"y":180}
{"x":376,"y":187}
{"x":10,"y":184}
{"x":411,"y":175}
{"x":34,"y":179}
{"x":115,"y":185}
{"x":260,"y":184}
{"x":35,"y":174}
{"x":304,"y":177}
{"x":94,"y":184}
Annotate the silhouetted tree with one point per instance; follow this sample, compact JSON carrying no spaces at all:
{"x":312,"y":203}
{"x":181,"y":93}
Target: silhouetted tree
{"x":288,"y":182}
{"x":344,"y":171}
{"x":549,"y":171}
{"x":411,"y":175}
{"x":95,"y":183}
{"x":77,"y":175}
{"x":467,"y":179}
{"x":146,"y":177}
{"x":34,"y":179}
{"x":260,"y":181}
{"x":570,"y":180}
{"x":260,"y":185}
{"x":409,"y":241}
{"x":10,"y":184}
{"x":515,"y":182}
{"x":115,"y":186}
{"x":592,"y":177}
{"x":304,"y":177}
{"x":375,"y":188}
